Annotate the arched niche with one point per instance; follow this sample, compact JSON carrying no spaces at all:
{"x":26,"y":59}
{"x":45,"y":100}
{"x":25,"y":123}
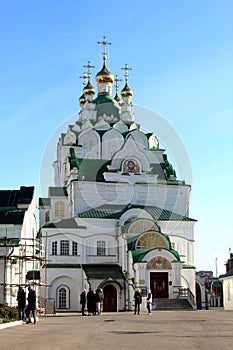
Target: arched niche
{"x":112,"y":141}
{"x":139,"y":137}
{"x":90,"y":141}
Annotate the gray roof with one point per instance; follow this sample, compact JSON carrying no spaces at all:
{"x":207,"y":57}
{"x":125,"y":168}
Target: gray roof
{"x":103,"y":271}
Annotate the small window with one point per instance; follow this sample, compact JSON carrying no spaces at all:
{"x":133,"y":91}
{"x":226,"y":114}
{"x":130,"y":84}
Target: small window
{"x":54,"y":248}
{"x":74,"y":248}
{"x":64,"y":248}
{"x":173,"y":245}
{"x":101,"y":248}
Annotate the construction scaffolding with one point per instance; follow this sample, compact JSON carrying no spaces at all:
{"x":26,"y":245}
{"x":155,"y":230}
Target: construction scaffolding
{"x":23,"y":259}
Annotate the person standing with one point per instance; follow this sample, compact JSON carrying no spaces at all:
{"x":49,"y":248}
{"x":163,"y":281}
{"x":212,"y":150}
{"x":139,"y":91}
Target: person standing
{"x":137,"y":301}
{"x":148,"y":301}
{"x":83,"y":299}
{"x":21,"y":298}
{"x":90,"y":302}
{"x":98,"y":299}
{"x":31,"y":307}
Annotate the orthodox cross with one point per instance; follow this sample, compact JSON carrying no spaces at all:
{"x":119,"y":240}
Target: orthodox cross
{"x":117,"y":81}
{"x":88,"y":66}
{"x":104,"y":43}
{"x":126,"y":69}
{"x":84,"y":77}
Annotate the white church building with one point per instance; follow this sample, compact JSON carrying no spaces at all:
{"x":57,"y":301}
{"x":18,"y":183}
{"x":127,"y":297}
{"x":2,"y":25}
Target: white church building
{"x":117,"y":217}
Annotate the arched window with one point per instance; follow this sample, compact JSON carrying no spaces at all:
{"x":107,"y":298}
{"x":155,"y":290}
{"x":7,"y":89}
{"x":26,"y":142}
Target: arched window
{"x":63,"y":296}
{"x":47,"y":216}
{"x":60,"y":209}
{"x":152,"y":239}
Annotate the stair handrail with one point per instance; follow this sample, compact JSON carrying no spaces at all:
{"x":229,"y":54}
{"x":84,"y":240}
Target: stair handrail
{"x":186,"y":292}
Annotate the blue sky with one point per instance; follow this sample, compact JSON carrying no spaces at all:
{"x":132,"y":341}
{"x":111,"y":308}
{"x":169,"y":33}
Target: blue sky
{"x":181,"y":53}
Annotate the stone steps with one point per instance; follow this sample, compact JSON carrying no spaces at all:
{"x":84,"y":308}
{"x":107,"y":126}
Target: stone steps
{"x":171,"y":304}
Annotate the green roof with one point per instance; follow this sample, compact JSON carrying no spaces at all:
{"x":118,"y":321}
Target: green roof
{"x":9,"y":242}
{"x":188,"y":267}
{"x":57,"y":191}
{"x":106,"y":104}
{"x":228,"y":274}
{"x":93,"y":169}
{"x":139,"y":254}
{"x":63,"y":266}
{"x":66,"y":223}
{"x":44,"y":202}
{"x":103,"y":271}
{"x":115,"y":212}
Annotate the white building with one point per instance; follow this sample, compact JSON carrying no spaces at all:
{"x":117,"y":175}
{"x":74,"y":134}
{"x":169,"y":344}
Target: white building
{"x":19,"y":254}
{"x":227,"y":284}
{"x":117,"y":217}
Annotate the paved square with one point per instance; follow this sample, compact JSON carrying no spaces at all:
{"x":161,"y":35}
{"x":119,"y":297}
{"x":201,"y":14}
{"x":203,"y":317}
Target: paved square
{"x":187,"y":330}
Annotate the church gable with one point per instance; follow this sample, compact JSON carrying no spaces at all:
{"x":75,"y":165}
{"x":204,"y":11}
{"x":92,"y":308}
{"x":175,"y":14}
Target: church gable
{"x":130,"y":149}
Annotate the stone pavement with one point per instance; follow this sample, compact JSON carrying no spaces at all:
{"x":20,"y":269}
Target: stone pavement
{"x":183,"y":330}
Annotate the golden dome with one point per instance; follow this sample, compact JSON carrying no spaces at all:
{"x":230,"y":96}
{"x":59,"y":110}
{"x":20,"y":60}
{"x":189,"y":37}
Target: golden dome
{"x":89,"y":89}
{"x":126,"y":91}
{"x":82,"y":99}
{"x":104,"y":76}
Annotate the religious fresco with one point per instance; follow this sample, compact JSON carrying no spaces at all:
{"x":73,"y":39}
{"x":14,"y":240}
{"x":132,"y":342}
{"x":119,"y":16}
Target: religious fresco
{"x":131,"y":165}
{"x":159,"y":263}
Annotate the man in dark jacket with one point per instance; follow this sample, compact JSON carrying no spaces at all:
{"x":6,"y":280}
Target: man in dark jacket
{"x":83,"y":299}
{"x":31,"y":307}
{"x":21,"y":298}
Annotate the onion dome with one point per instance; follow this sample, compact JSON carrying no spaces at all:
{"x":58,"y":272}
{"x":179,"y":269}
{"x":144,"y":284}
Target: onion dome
{"x":82,"y":100}
{"x":104,"y":76}
{"x":126,"y":91}
{"x":89,"y":89}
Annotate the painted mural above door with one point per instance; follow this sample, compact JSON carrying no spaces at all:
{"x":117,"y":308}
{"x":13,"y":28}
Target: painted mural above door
{"x":159,"y":263}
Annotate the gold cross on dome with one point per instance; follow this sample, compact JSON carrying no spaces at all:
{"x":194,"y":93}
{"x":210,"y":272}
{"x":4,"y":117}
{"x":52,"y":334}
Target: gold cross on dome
{"x":104,"y":43}
{"x":84,"y":77}
{"x":117,"y":81}
{"x":126,"y":69}
{"x":88,"y":66}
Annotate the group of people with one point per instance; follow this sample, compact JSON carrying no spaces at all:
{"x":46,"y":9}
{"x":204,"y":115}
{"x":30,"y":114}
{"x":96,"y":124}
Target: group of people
{"x":24,"y":310}
{"x":94,"y":301}
{"x":138,"y":301}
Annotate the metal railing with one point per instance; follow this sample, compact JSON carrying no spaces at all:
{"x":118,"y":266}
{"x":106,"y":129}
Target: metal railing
{"x":187,"y":294}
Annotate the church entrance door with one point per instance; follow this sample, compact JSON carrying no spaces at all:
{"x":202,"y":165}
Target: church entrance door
{"x":110,"y":298}
{"x":159,"y":284}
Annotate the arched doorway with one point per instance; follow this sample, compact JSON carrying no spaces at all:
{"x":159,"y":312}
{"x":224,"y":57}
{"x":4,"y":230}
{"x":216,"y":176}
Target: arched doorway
{"x":110,"y":298}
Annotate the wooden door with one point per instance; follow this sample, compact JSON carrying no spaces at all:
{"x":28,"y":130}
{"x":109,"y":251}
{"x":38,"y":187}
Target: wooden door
{"x":110,"y":299}
{"x":159,"y":284}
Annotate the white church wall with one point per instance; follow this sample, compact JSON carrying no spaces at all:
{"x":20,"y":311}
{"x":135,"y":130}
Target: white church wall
{"x":227,"y":283}
{"x":70,"y":278}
